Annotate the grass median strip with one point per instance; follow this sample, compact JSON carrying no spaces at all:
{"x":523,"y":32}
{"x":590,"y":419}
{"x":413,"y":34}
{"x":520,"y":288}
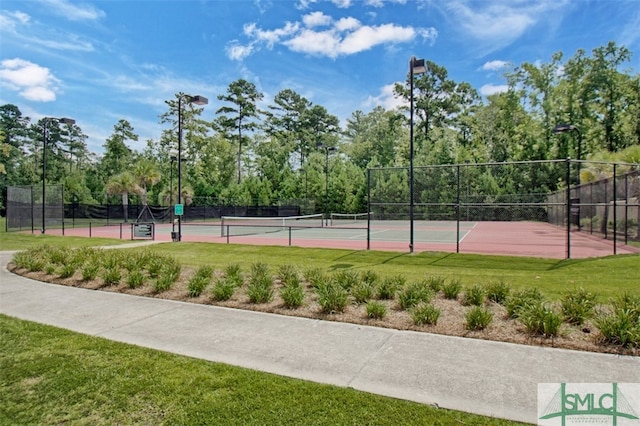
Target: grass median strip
{"x":54,"y":376}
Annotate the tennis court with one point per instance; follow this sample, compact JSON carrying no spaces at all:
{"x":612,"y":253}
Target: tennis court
{"x":536,"y":239}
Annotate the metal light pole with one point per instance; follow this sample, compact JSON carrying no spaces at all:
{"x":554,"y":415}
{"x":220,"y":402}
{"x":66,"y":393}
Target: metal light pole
{"x":45,"y":121}
{"x":173,"y":223}
{"x":326,"y":177}
{"x":198,"y":100}
{"x":416,"y":67}
{"x":563,"y":128}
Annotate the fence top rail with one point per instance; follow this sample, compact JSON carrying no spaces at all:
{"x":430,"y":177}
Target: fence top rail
{"x":506,"y":163}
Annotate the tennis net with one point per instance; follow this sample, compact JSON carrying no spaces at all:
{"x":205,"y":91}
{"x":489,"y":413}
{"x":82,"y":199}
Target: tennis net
{"x":337,"y":219}
{"x":247,"y":225}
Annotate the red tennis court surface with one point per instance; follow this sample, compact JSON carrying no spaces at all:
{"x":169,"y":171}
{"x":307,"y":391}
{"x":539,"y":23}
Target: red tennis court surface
{"x":533,"y":239}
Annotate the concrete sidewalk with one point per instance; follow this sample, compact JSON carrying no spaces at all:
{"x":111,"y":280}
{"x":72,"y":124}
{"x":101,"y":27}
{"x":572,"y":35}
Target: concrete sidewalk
{"x":483,"y":377}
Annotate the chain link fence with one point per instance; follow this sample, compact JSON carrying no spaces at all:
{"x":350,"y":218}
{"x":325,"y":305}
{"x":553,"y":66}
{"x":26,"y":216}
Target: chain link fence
{"x":607,"y":208}
{"x":531,"y":191}
{"x":26,"y":209}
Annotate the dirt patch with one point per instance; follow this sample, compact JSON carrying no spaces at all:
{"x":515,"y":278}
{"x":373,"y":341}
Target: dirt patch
{"x":451,"y":321}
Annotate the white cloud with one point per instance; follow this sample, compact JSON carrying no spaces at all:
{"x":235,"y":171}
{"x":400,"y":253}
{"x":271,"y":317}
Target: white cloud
{"x":18,"y":25}
{"x":10,"y":20}
{"x":74,"y":11}
{"x":346,"y":36}
{"x":347,"y":24}
{"x":500,"y":22}
{"x":386,"y":99}
{"x":238,"y":52}
{"x":270,"y":37}
{"x":494,"y":65}
{"x":365,"y":38}
{"x":316,"y":19}
{"x":492,"y":89}
{"x":32,"y":81}
{"x":344,"y":4}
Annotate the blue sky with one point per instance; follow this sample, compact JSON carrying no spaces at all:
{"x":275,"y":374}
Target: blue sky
{"x":102,"y":61}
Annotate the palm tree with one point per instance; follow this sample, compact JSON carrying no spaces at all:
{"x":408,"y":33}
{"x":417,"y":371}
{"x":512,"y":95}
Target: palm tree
{"x":124,"y":183}
{"x":146,"y":174}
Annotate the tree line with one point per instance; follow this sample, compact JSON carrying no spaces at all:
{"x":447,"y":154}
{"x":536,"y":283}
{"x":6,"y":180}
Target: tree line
{"x":296,"y":152}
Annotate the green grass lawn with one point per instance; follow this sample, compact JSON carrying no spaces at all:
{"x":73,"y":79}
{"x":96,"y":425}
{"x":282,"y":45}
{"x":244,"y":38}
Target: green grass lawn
{"x":25,"y":240}
{"x":54,"y":376}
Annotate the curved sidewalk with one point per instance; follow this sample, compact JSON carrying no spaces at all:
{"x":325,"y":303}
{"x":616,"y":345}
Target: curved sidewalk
{"x":483,"y":377}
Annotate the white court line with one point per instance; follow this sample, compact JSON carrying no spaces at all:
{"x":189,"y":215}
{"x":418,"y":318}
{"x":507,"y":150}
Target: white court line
{"x":371,"y":233}
{"x":467,"y":232}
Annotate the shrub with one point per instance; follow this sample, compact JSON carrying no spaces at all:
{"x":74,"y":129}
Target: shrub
{"x":425,"y":313}
{"x":49,"y":269}
{"x":205,"y":271}
{"x":498,"y":292}
{"x":59,"y":256}
{"x":622,"y":327}
{"x":577,"y":306}
{"x":332,"y":297}
{"x":135,"y":278}
{"x":199,"y":281}
{"x":389,"y":286}
{"x":478,"y":318}
{"x":133,"y":263}
{"x":435,"y":283}
{"x":67,"y":270}
{"x":259,"y":269}
{"x":171,"y":272}
{"x":223,"y":289}
{"x":197,"y":284}
{"x":376,"y":310}
{"x":163,"y":283}
{"x":234,"y":274}
{"x":316,"y":277}
{"x":451,"y":289}
{"x":288,"y":274}
{"x":346,"y":278}
{"x":112,"y":275}
{"x":370,"y":277}
{"x":474,"y":295}
{"x":83,"y":255}
{"x":112,"y":259}
{"x":154,"y":266}
{"x":260,"y":287}
{"x":35,"y":264}
{"x":521,"y":299}
{"x":22,"y":259}
{"x":628,"y":302}
{"x":414,"y":294}
{"x":540,"y":319}
{"x":363,"y":291}
{"x":90,"y":271}
{"x":292,"y":295}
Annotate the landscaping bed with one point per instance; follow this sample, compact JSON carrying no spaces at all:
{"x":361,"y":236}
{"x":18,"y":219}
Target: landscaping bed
{"x":434,"y":304}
